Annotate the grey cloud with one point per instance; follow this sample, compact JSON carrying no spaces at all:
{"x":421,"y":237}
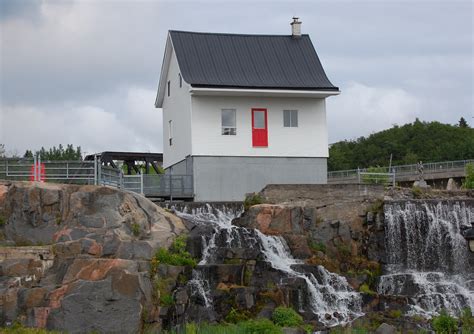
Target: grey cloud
{"x":416,"y":57}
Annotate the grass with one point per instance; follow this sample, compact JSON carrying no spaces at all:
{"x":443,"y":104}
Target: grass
{"x":251,"y":200}
{"x":395,"y":314}
{"x":136,"y":229}
{"x":256,"y":326}
{"x":17,"y":328}
{"x":467,"y":321}
{"x":317,"y":246}
{"x":364,"y":288}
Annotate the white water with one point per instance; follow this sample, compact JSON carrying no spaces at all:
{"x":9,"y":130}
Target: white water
{"x":331,"y":298}
{"x":428,"y":256}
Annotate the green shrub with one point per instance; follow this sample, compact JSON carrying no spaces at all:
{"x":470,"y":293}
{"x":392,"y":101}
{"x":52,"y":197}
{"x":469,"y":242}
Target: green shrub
{"x":259,"y":326}
{"x":467,"y":321}
{"x":166,"y":300}
{"x":317,"y":246}
{"x":253,"y":199}
{"x":395,"y":314}
{"x":444,"y":323}
{"x":235,"y":315}
{"x":364,"y":288}
{"x":177,"y":255}
{"x":136,"y":229}
{"x":286,"y":317}
{"x":469,"y":180}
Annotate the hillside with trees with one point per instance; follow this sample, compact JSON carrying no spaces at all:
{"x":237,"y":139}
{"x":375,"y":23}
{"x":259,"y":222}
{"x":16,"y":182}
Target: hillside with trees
{"x":408,"y":144}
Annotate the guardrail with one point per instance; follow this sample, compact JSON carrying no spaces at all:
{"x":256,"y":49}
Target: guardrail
{"x":92,"y":172}
{"x":400,"y":171}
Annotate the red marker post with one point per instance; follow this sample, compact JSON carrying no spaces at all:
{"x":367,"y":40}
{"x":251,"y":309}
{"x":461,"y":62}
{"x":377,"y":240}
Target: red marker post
{"x":38,"y":169}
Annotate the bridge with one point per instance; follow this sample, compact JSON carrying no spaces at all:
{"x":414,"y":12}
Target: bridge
{"x":436,"y":174}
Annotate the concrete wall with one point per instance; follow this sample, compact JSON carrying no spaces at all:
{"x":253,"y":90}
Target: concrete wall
{"x":176,"y":107}
{"x":230,"y":178}
{"x":309,"y":139}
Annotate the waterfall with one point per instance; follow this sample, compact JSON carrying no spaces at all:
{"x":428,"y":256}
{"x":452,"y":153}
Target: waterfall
{"x":428,"y":258}
{"x":331,"y":298}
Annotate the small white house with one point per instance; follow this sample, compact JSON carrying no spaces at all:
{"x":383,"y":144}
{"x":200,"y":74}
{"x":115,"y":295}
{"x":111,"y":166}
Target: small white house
{"x":243,"y":111}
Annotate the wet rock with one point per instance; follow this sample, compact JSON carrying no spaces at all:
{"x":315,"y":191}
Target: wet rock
{"x":386,"y":329}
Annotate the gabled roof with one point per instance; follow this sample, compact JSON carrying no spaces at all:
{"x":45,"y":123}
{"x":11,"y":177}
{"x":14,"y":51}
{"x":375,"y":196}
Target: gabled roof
{"x":217,"y":60}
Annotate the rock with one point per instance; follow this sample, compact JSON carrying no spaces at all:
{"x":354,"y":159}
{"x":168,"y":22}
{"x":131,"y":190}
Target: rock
{"x":386,"y":329}
{"x":95,"y":275}
{"x":421,"y":184}
{"x":451,"y":185}
{"x":43,"y":213}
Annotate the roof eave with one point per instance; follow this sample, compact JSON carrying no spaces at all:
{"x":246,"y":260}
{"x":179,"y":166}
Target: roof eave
{"x":311,"y":93}
{"x":164,"y":70}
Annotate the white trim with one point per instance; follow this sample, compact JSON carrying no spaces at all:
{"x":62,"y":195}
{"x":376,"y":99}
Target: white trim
{"x":262,"y":92}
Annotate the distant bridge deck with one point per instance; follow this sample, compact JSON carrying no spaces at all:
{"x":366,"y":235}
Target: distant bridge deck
{"x":432,"y":172}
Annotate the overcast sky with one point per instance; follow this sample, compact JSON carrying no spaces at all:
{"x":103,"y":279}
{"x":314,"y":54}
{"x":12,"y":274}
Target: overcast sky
{"x":86,"y":72}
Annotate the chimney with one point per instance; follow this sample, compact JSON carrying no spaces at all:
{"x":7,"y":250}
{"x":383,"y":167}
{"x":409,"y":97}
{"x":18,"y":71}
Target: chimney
{"x":295,"y":28}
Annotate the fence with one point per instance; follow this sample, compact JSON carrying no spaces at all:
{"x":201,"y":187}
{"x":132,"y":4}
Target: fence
{"x":92,"y":172}
{"x":396,"y":172}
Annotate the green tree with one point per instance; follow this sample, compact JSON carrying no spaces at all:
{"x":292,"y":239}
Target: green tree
{"x":425,"y":141}
{"x":462,"y":123}
{"x":28,"y":154}
{"x":60,"y":153}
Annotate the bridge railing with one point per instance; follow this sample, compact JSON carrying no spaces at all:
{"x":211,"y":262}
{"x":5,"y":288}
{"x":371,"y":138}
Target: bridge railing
{"x":92,"y":172}
{"x":400,"y":170}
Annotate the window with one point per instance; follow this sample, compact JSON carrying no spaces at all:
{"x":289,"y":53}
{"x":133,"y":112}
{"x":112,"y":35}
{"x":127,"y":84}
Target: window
{"x":290,"y":118}
{"x":170,"y":132}
{"x":180,"y":80}
{"x":229,"y":122}
{"x":168,"y":88}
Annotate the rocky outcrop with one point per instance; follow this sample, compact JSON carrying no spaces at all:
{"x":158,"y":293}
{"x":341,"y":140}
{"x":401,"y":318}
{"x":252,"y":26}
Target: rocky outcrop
{"x":92,"y":271}
{"x":339,"y":227}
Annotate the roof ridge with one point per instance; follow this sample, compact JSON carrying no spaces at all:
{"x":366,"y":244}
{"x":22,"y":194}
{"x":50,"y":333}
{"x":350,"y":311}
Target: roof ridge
{"x":229,"y":34}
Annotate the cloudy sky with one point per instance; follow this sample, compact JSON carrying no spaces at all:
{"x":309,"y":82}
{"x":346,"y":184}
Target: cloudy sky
{"x":85,"y":72}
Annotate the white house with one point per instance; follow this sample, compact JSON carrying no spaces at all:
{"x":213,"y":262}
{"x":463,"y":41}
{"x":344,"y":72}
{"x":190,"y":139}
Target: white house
{"x":243,"y":111}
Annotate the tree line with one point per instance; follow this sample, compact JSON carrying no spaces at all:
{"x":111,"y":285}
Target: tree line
{"x":57,"y":153}
{"x":408,"y":144}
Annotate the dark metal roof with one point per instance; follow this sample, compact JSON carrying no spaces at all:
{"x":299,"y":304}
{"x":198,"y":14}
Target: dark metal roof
{"x":249,"y":61}
{"x":138,"y":156}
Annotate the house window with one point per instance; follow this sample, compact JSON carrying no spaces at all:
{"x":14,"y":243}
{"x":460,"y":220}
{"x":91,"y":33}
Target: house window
{"x":168,"y":88}
{"x":170,"y":132}
{"x":229,"y":122}
{"x":180,"y":80}
{"x":290,"y":118}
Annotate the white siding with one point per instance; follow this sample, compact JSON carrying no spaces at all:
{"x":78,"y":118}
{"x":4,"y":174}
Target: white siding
{"x":309,"y":139}
{"x":176,"y":107}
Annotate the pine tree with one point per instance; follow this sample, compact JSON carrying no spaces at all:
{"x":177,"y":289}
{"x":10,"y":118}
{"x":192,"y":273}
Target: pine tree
{"x":463,"y":123}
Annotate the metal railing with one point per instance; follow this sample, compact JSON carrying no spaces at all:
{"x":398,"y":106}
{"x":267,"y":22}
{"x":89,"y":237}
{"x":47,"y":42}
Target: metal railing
{"x":79,"y":172}
{"x":160,"y":185}
{"x":92,"y":172}
{"x":400,"y":171}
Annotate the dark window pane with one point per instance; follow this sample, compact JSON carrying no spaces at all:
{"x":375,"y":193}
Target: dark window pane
{"x":294,"y":118}
{"x":286,"y":118}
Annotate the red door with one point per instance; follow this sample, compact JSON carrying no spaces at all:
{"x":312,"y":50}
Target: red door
{"x":259,"y":128}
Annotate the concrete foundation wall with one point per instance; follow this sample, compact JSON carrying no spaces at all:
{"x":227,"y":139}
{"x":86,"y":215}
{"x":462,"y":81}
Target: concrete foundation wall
{"x":230,"y":178}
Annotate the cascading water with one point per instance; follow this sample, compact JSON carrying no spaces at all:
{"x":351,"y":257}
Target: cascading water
{"x":428,"y":258}
{"x":331,"y":298}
